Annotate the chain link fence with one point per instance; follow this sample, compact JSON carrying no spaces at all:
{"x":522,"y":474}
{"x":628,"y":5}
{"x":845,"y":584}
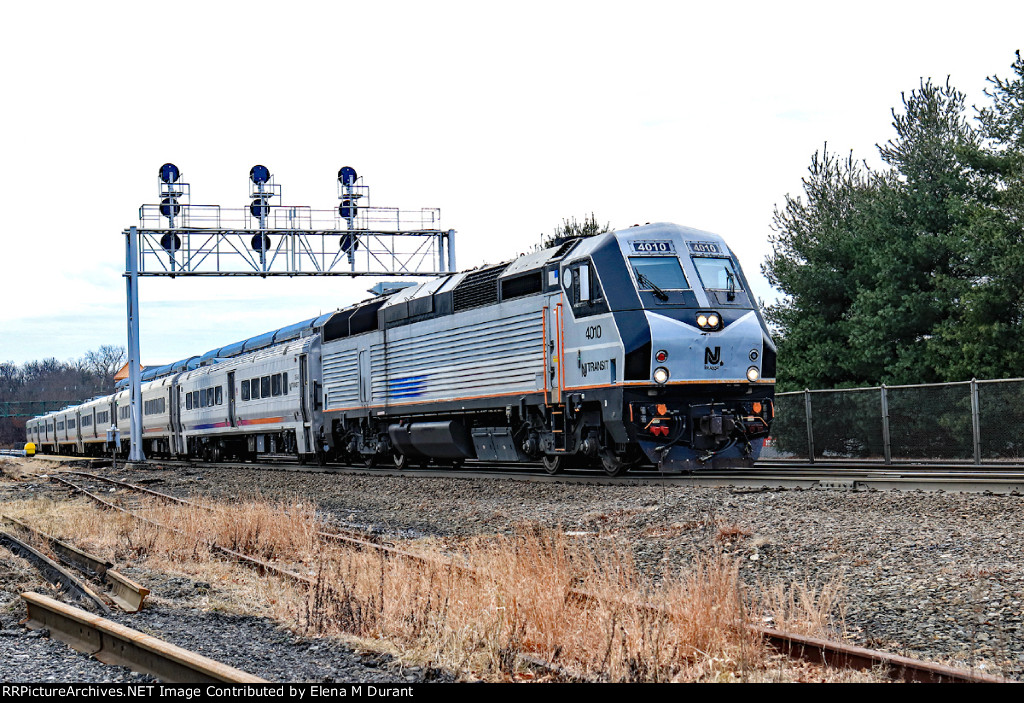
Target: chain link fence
{"x":971,"y":422}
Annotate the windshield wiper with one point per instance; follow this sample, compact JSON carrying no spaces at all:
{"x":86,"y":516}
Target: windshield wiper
{"x":645,"y":281}
{"x":732,"y":284}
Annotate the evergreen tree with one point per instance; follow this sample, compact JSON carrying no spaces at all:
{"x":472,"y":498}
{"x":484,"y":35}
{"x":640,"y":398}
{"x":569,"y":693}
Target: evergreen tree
{"x":912,"y":273}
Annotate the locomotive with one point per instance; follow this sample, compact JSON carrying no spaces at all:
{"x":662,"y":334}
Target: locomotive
{"x":642,"y":346}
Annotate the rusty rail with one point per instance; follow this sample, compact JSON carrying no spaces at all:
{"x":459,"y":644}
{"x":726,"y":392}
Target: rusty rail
{"x":260,"y":566}
{"x":116,"y":644}
{"x":353,"y":538}
{"x":128,"y":595}
{"x":843,"y":655}
{"x":53,"y":572}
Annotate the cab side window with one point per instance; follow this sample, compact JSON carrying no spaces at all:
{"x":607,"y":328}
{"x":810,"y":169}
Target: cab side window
{"x":583,"y":289}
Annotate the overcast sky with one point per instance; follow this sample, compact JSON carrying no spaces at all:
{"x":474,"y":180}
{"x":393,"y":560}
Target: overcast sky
{"x":507,"y":117}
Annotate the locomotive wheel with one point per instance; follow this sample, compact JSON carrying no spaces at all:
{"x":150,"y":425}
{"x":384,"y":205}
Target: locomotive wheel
{"x":555,"y":464}
{"x":400,"y":460}
{"x":370,"y":460}
{"x":615,"y":465}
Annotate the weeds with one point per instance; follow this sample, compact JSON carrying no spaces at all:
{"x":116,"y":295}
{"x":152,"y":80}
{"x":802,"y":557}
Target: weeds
{"x":477,"y":611}
{"x":801,"y":608}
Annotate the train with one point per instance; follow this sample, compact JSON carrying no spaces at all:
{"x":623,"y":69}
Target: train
{"x":635,"y":348}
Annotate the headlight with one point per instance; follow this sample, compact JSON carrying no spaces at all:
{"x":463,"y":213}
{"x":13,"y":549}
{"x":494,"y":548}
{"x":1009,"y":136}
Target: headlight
{"x":709,"y":320}
{"x":661,"y":375}
{"x":753,"y":374}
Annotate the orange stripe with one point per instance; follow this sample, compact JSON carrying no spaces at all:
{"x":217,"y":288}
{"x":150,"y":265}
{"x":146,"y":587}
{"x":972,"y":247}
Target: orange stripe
{"x":561,"y":350}
{"x":670,"y":383}
{"x":261,"y":421}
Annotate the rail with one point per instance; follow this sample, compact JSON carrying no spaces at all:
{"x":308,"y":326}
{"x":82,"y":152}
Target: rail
{"x":116,"y":644}
{"x":128,"y":595}
{"x":53,"y":572}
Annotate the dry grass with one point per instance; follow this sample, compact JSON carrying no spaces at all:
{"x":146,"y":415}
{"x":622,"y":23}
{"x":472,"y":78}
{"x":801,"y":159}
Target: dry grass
{"x":804,"y":609}
{"x":730,"y":532}
{"x":688,"y":627}
{"x":685,"y":626}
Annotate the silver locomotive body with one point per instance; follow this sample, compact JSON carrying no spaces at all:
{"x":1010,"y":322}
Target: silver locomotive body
{"x":637,"y":346}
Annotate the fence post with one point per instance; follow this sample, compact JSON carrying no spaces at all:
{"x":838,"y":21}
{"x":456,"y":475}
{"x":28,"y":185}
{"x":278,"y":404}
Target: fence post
{"x":810,"y":432}
{"x":886,"y":442}
{"x":975,"y":421}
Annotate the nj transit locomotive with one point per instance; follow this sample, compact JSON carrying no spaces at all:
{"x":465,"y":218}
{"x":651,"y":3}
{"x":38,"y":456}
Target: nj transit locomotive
{"x":640,"y":346}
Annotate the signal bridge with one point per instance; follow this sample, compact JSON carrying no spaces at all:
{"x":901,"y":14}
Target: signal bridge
{"x":176,"y":238}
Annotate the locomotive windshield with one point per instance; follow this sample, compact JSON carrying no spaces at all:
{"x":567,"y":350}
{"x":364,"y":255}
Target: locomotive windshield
{"x":717,"y":274}
{"x":658,"y":272}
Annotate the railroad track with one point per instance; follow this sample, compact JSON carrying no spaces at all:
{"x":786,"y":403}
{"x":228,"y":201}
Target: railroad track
{"x":952,"y":478}
{"x":97,"y":636}
{"x":836,"y":654}
{"x":851,"y":475}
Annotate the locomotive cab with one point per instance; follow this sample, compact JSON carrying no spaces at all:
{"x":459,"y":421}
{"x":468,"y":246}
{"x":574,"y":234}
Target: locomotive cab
{"x":697,"y":362}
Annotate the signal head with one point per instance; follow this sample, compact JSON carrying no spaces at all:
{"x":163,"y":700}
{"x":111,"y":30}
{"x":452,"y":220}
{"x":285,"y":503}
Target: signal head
{"x":169,"y":173}
{"x":259,"y":174}
{"x":170,"y":242}
{"x":347,"y":176}
{"x":169,"y":207}
{"x":348,"y":243}
{"x":260,"y":242}
{"x":347,"y":209}
{"x":259,"y":207}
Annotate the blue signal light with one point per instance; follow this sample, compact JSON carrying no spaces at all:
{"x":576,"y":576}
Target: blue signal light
{"x":348,"y":243}
{"x":260,"y":242}
{"x":347,"y":209}
{"x":259,"y":174}
{"x":169,"y":207}
{"x":169,"y":173}
{"x":259,"y":208}
{"x":347,"y":176}
{"x":170,"y":242}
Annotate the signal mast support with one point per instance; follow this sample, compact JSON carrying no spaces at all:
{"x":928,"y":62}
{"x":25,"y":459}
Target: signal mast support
{"x":134,"y":370}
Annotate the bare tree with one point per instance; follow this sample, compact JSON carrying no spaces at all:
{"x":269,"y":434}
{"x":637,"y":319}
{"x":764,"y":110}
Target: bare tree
{"x":105,"y":362}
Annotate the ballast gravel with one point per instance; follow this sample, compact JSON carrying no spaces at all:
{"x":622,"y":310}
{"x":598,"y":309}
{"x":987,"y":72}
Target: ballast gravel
{"x":936,"y":576}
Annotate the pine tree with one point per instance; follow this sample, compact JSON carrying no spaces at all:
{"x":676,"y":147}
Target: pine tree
{"x":911,"y":273}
